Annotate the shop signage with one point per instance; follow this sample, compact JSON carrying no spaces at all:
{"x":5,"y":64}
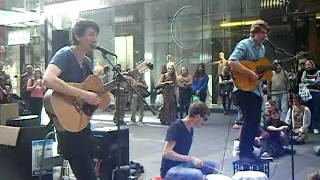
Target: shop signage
{"x":48,"y":2}
{"x":18,"y":37}
{"x":124,"y":19}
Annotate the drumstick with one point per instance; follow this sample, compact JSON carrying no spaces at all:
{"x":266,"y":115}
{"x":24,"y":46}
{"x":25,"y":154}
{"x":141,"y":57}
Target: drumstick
{"x":214,"y":168}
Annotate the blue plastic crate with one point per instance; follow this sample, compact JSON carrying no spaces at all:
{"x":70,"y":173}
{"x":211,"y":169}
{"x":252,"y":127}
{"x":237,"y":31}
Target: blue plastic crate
{"x":262,"y":166}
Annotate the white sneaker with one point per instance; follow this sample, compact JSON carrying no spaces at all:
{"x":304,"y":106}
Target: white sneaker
{"x":266,"y":156}
{"x":316,"y":131}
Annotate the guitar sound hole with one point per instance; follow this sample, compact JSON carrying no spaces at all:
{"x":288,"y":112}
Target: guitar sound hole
{"x":88,"y":109}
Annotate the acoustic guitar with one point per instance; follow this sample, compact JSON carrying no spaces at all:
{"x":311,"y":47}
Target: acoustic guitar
{"x":263,"y":68}
{"x":72,"y":114}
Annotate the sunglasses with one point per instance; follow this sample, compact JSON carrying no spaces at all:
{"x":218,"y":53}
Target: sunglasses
{"x":205,"y":117}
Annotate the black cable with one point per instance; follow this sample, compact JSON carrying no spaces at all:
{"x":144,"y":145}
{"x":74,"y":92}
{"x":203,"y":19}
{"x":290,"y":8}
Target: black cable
{"x":226,"y":143}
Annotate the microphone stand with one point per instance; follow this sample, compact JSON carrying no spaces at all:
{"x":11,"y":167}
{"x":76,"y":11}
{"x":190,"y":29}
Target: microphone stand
{"x":275,"y":51}
{"x":118,"y":78}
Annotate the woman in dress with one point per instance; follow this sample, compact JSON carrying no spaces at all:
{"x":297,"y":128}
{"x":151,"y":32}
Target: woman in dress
{"x":168,"y":85}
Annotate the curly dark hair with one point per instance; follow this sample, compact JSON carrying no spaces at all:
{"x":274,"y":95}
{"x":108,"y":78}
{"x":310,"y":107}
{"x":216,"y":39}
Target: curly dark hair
{"x":197,"y":73}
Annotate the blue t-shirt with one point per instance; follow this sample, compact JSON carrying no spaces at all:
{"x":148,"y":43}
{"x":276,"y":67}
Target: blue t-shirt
{"x":73,"y":143}
{"x":248,"y":50}
{"x":70,"y":68}
{"x":178,"y":133}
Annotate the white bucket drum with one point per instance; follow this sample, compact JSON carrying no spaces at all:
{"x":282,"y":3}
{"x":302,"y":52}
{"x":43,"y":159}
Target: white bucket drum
{"x":217,"y":177}
{"x":250,"y":175}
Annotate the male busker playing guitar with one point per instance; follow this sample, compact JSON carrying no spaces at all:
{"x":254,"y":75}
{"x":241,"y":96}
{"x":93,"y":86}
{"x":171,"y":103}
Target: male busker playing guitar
{"x":250,"y":102}
{"x":70,"y":64}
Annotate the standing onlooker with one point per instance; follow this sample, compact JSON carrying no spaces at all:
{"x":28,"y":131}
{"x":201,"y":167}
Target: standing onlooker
{"x":36,"y":88}
{"x":185,"y":91}
{"x":5,"y":85}
{"x":311,"y":77}
{"x":163,"y":70}
{"x":121,"y":99}
{"x":226,"y":87}
{"x":25,"y":95}
{"x":278,"y":88}
{"x":5,"y":81}
{"x":301,"y":68}
{"x":136,"y":101}
{"x":200,"y":82}
{"x":301,"y":119}
{"x":106,"y":76}
{"x":168,"y":85}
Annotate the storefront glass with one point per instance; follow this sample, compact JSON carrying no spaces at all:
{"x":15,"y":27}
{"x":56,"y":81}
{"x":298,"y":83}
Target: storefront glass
{"x":186,"y":32}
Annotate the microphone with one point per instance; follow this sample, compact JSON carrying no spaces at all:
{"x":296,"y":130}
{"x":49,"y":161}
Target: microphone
{"x":103,"y":50}
{"x":273,"y":46}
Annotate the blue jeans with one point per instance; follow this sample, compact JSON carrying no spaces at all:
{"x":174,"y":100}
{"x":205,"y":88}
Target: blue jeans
{"x":314,"y":107}
{"x":238,"y":120}
{"x":187,"y":171}
{"x":281,"y":101}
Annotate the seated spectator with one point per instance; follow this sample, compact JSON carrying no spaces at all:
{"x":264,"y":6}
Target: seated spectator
{"x":269,"y":106}
{"x":301,"y":117}
{"x":277,"y":138}
{"x":176,"y":163}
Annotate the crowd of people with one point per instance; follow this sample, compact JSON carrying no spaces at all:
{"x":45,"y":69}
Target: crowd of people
{"x":289,"y":97}
{"x":179,"y":91}
{"x":288,"y":100}
{"x":288,"y":103}
{"x":32,"y":90}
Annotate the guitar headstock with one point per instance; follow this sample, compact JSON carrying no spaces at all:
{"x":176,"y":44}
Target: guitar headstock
{"x":301,"y":55}
{"x":144,"y":67}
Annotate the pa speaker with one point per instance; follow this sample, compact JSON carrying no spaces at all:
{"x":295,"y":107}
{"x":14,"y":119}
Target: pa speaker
{"x":60,"y":38}
{"x":112,"y":150}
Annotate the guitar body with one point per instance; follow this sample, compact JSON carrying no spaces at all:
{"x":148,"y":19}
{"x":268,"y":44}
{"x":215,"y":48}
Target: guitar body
{"x":262,"y":67}
{"x":70,"y":113}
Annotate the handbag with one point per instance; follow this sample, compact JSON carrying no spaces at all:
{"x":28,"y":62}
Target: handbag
{"x":159,"y":102}
{"x":195,"y":98}
{"x":304,"y":92}
{"x":143,"y":91}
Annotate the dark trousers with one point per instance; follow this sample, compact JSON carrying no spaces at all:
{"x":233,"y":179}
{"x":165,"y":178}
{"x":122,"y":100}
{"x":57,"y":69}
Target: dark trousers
{"x":314,"y":107}
{"x":183,"y":109}
{"x":36,"y":105}
{"x":203,"y":96}
{"x":78,"y":148}
{"x":250,"y":105}
{"x":83,"y":167}
{"x":226,"y":102}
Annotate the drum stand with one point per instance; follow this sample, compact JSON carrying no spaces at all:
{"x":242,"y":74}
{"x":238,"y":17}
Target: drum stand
{"x":118,"y":78}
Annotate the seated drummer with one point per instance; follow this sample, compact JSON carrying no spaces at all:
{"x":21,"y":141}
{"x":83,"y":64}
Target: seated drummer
{"x":176,"y":163}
